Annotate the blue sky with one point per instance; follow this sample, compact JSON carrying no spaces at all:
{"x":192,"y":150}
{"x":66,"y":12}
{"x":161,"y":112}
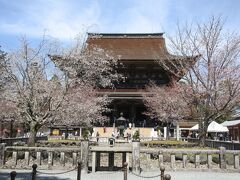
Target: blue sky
{"x":64,"y":19}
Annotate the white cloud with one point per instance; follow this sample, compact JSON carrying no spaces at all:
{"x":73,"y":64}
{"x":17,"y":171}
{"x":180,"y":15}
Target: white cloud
{"x":59,"y":20}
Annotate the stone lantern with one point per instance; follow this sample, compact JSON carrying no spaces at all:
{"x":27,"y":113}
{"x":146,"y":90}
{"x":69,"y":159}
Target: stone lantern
{"x":121,"y":124}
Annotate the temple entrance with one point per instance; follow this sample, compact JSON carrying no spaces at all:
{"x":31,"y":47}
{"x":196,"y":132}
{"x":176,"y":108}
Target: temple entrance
{"x":132,"y":110}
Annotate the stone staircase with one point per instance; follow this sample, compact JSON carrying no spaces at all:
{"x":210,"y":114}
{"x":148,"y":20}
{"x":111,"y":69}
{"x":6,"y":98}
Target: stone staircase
{"x":144,"y":132}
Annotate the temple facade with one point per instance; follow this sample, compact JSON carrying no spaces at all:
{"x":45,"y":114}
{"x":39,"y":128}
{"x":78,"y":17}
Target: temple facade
{"x":138,"y":54}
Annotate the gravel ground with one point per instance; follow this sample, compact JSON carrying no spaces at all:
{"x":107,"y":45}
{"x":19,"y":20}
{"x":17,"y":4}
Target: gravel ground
{"x":176,"y":175}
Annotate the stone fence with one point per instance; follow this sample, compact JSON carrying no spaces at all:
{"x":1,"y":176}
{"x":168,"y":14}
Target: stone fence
{"x":11,"y":141}
{"x":229,"y":145}
{"x":131,"y":153}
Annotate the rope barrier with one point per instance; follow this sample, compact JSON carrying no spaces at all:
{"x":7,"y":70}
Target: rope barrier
{"x":145,"y":176}
{"x":48,"y":173}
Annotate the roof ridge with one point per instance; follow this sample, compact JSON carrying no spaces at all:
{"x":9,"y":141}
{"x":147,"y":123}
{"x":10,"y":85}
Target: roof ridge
{"x":126,"y":35}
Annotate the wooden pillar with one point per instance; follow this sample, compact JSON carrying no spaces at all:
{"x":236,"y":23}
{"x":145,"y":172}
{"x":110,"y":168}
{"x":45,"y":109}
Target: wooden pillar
{"x":222,"y":157}
{"x":209,"y":160}
{"x":133,"y":114}
{"x":27,"y":157}
{"x":177,"y":132}
{"x":93,"y":161}
{"x":38,"y":158}
{"x":173,"y":161}
{"x":50,"y":159}
{"x":236,"y":161}
{"x":111,"y":160}
{"x":14,"y":157}
{"x":84,"y":155}
{"x":74,"y":156}
{"x":185,"y":160}
{"x":62,"y":158}
{"x":136,"y":156}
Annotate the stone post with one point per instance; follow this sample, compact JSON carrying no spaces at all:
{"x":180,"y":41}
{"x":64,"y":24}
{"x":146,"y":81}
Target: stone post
{"x":93,"y":162}
{"x":111,"y":160}
{"x":236,"y":161}
{"x":123,"y":158}
{"x":38,"y":158}
{"x":136,"y":156}
{"x":197,"y":161}
{"x":14,"y":157}
{"x":27,"y":157}
{"x":84,"y":156}
{"x":222,"y":157}
{"x":160,"y":156}
{"x":50,"y":159}
{"x":98,"y":154}
{"x":173,"y":162}
{"x":74,"y":156}
{"x":127,"y":160}
{"x":2,"y":154}
{"x":209,"y":161}
{"x":62,"y":158}
{"x":185,"y":160}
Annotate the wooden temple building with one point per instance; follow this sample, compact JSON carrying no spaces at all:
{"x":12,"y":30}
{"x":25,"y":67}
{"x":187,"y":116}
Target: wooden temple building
{"x":138,"y":54}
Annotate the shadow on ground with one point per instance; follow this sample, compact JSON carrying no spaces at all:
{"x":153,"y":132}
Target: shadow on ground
{"x":28,"y":176}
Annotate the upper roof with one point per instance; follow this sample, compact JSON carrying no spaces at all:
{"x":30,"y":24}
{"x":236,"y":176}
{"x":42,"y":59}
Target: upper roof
{"x":231,"y":123}
{"x":148,"y":46}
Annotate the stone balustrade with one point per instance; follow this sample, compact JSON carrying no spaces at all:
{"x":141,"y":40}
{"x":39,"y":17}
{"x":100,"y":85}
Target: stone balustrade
{"x":130,"y":150}
{"x":39,"y":154}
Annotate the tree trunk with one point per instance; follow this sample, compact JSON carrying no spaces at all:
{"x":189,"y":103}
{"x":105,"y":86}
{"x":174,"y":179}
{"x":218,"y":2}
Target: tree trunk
{"x":202,"y":140}
{"x":32,"y":135}
{"x":202,"y":133}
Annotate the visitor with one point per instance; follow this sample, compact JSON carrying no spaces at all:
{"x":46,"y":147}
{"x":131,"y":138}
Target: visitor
{"x":144,"y":123}
{"x":130,"y":125}
{"x":113,"y":134}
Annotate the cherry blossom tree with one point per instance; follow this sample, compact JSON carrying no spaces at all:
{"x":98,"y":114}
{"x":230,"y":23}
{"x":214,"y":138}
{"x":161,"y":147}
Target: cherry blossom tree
{"x":210,"y":67}
{"x":3,"y":64}
{"x":166,"y":103}
{"x":69,"y":96}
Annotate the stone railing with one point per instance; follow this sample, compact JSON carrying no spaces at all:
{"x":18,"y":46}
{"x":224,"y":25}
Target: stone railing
{"x":185,"y":154}
{"x":11,"y":141}
{"x":38,"y":153}
{"x":130,"y":153}
{"x":229,"y":145}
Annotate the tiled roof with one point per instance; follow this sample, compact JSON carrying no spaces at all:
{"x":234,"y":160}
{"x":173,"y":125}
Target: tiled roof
{"x":130,"y":46}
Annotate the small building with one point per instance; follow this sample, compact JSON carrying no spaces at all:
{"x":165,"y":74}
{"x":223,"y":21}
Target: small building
{"x":234,"y":129}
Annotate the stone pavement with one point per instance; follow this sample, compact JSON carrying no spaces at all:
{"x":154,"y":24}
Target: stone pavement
{"x":176,"y":175}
